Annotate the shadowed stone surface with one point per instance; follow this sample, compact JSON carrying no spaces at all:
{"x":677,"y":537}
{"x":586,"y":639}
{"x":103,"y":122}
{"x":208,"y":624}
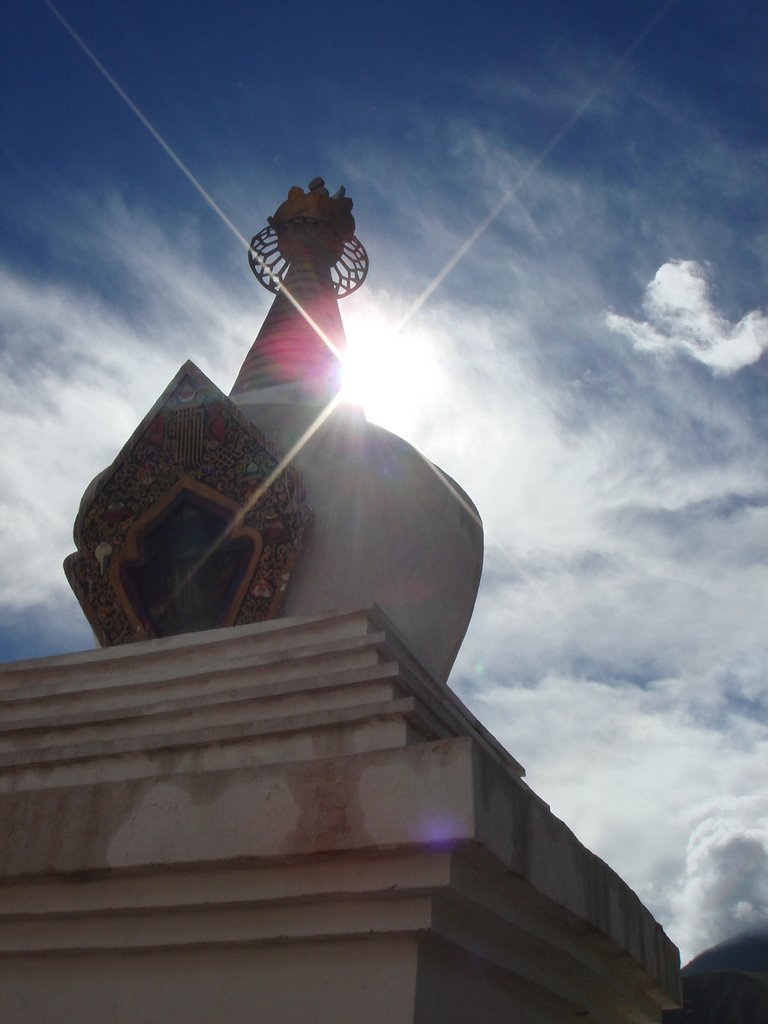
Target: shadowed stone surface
{"x":293,"y":818}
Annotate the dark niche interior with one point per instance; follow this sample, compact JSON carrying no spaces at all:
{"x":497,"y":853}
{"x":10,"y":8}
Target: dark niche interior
{"x":189,"y":569}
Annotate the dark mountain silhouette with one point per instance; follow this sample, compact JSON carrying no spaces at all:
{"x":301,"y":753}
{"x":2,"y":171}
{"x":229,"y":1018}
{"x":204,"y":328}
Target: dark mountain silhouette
{"x":726,"y":984}
{"x":745,"y":952}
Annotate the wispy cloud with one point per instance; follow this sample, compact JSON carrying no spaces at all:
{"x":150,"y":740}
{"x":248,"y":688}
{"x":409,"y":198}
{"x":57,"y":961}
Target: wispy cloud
{"x":680,"y":317}
{"x":78,"y":373}
{"x":618,"y":647}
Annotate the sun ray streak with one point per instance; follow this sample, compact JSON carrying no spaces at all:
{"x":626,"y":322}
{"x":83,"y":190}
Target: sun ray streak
{"x":559,"y":135}
{"x":201,"y":190}
{"x":460,"y":253}
{"x":284,"y":462}
{"x":294,"y":450}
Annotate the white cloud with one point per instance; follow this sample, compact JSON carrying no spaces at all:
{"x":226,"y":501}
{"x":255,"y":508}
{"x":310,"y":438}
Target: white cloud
{"x":681,"y":318}
{"x":723,"y":888}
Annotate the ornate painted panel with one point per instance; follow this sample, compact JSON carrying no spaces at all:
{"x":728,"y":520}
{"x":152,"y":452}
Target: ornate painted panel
{"x":197,"y":524}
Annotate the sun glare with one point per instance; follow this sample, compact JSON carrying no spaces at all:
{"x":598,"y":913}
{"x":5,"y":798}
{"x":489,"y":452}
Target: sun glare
{"x":391,"y":374}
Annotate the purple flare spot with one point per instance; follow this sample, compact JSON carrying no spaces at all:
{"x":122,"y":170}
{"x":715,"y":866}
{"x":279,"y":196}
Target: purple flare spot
{"x":441,"y":831}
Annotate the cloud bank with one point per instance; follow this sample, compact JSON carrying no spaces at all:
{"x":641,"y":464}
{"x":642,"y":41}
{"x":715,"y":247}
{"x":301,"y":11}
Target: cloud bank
{"x":618,"y":646}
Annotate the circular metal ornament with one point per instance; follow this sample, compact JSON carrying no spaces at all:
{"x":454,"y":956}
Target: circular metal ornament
{"x":265,"y":259}
{"x":351,"y":269}
{"x":270,"y":267}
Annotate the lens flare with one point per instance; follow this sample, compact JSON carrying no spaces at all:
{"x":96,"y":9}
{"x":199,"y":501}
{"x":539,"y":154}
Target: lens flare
{"x":395,"y":376}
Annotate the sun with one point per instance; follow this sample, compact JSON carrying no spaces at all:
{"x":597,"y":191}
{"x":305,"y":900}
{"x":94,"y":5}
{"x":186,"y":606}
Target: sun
{"x":390,"y":373}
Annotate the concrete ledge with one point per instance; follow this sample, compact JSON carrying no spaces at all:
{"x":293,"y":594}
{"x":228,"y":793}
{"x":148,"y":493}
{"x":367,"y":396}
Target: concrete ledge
{"x":246,"y":792}
{"x":439,"y":794}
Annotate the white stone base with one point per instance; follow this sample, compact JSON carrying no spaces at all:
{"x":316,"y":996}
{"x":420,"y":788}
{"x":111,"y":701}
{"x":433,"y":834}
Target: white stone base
{"x":292,"y":823}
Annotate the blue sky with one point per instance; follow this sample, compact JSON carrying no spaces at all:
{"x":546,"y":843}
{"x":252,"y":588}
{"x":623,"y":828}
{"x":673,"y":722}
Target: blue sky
{"x":592,"y":370}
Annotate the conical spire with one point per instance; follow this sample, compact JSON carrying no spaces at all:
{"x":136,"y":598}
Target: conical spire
{"x":309,"y":255}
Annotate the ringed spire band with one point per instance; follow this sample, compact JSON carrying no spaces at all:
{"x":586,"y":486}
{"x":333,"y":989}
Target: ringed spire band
{"x":309,"y":256}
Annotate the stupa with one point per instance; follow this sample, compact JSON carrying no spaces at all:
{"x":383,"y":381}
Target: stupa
{"x":202,"y":522}
{"x":259,"y":800}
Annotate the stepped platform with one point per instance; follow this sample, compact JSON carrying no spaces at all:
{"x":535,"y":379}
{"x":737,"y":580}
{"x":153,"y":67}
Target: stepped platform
{"x":290,"y":822}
